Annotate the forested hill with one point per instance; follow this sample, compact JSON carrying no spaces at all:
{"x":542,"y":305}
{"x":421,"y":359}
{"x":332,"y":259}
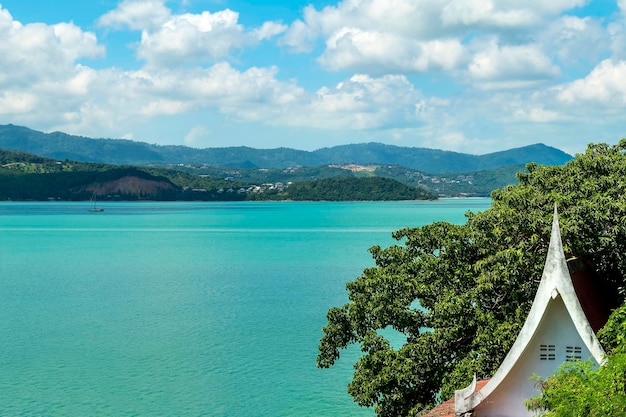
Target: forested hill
{"x":30,"y":177}
{"x":62,"y":146}
{"x":352,"y":189}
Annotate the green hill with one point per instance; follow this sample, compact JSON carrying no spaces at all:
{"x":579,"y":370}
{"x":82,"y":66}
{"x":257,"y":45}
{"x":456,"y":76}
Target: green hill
{"x":351,"y":189}
{"x":62,"y":146}
{"x":29,"y":177}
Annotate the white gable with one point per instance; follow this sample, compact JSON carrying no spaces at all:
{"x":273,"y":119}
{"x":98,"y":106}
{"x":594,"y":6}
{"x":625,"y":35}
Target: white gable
{"x":556,"y":330}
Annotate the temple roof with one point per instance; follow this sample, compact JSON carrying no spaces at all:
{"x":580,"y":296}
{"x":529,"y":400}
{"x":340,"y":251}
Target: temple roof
{"x":556,"y":282}
{"x":584,"y":297}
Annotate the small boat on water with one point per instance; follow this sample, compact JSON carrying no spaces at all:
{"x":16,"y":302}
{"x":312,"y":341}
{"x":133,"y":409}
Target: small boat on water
{"x":94,"y":208}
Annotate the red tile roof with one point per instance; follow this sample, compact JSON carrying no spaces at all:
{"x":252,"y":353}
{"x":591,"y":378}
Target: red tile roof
{"x":447,"y":408}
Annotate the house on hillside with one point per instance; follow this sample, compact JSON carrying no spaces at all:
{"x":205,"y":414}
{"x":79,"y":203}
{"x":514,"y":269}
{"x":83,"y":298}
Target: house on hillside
{"x":561,"y":326}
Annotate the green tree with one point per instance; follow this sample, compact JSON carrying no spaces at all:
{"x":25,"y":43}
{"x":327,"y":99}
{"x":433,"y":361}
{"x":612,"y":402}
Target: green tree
{"x":460,"y":293}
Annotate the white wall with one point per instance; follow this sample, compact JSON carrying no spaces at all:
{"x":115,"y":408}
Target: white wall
{"x":508,"y":398}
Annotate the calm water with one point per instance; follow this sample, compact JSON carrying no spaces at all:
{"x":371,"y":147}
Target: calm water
{"x":184,"y":309}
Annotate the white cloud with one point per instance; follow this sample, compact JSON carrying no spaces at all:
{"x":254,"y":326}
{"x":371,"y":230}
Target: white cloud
{"x":573,"y":40}
{"x":537,"y":115}
{"x":451,"y":140}
{"x":603,"y":86}
{"x":93,"y":101}
{"x":269,"y":30}
{"x":6,"y":20}
{"x":38,"y":51}
{"x":137,"y":15}
{"x":382,"y":52}
{"x":74,"y":43}
{"x":405,"y":17}
{"x":401,"y":18}
{"x":193,"y":37}
{"x":255,"y":95}
{"x":496,"y":66}
{"x":503,"y":14}
{"x":485,"y":12}
{"x":196,"y":135}
{"x":616,"y":30}
{"x":177,"y":39}
{"x":378,"y":36}
{"x":38,"y":60}
{"x":617,"y":33}
{"x":14,"y":103}
{"x":362,"y":102}
{"x":299,"y":37}
{"x":391,"y":36}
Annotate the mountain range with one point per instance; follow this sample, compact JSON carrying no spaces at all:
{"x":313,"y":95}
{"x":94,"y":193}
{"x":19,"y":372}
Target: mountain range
{"x":62,"y":146}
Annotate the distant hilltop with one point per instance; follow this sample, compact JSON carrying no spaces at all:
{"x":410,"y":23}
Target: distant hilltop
{"x":62,"y":146}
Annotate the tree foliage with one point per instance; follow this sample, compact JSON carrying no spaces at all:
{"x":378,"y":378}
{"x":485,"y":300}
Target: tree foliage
{"x":474,"y":283}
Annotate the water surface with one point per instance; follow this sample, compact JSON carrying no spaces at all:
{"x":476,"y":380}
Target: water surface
{"x":184,"y":309}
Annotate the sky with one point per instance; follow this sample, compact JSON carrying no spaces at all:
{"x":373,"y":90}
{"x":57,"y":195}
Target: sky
{"x":472,"y":76}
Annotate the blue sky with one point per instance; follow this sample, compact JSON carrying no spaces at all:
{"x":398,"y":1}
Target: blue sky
{"x":469,"y":76}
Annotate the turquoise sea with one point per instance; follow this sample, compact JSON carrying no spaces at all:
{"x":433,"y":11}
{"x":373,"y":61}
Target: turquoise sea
{"x":184,"y":309}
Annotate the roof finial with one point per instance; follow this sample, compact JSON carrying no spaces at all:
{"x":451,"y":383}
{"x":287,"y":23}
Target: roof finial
{"x":555,"y":238}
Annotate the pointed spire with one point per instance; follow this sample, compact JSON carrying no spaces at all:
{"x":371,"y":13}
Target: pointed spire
{"x":555,"y":261}
{"x":556,"y":244}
